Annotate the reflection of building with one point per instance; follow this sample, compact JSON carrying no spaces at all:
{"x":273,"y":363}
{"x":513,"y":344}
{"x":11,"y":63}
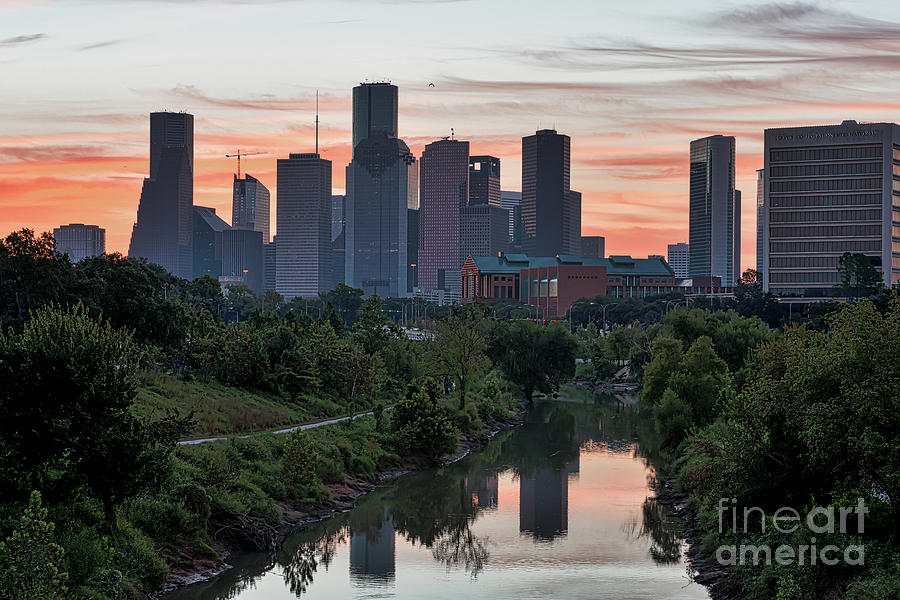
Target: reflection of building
{"x":483,"y":490}
{"x":80,"y":241}
{"x":544,"y":502}
{"x":372,"y":554}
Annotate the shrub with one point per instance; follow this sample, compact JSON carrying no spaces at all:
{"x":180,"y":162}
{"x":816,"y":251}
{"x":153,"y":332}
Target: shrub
{"x":422,"y":427}
{"x":299,"y":458}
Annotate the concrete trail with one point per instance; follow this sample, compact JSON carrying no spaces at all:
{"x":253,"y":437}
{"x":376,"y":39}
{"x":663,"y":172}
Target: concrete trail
{"x":280,"y":431}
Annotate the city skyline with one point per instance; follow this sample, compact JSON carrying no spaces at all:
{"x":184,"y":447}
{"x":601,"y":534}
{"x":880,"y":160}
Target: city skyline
{"x":77,"y":153}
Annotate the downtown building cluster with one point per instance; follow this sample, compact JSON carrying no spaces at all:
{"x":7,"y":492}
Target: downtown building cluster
{"x":439,"y":226}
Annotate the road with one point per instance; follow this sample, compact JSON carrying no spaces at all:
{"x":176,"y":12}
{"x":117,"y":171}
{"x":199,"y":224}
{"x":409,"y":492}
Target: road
{"x":280,"y":431}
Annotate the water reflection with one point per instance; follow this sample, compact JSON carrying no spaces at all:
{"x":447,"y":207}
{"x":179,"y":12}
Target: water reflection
{"x":566,"y":462}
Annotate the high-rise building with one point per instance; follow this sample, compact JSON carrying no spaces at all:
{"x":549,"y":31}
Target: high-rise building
{"x":381,"y":190}
{"x":484,"y":180}
{"x":162,"y":231}
{"x":444,"y":192}
{"x":337,"y":216}
{"x":737,"y":236}
{"x":512,"y":201}
{"x":829,"y":190}
{"x":374,"y":109}
{"x":270,"y":259}
{"x":412,"y":247}
{"x":593,"y":246}
{"x":250,"y":206}
{"x":303,"y":217}
{"x":761,"y":220}
{"x":206,"y":242}
{"x":483,"y":230}
{"x":679,"y":259}
{"x":551,"y":211}
{"x":242,"y":258}
{"x":713,"y":236}
{"x":79,"y":241}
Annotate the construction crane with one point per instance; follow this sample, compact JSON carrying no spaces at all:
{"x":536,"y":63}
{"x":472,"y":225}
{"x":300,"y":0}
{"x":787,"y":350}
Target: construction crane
{"x":239,"y":154}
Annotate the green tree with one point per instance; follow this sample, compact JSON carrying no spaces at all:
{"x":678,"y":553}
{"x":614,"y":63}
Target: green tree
{"x":346,"y":301}
{"x":665,"y":356}
{"x":32,"y":274}
{"x":859,"y":277}
{"x":533,"y":357}
{"x":30,"y":559}
{"x":299,"y":458}
{"x":458,"y":352}
{"x":422,"y":426}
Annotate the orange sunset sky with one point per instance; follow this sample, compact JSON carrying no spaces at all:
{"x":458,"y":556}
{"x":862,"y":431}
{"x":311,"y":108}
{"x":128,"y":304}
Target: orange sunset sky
{"x":632,"y":86}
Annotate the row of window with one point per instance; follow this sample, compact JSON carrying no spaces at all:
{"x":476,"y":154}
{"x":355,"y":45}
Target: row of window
{"x":841,"y":153}
{"x":825,"y":185}
{"x":796,"y":262}
{"x":805,"y":277}
{"x":829,"y":246}
{"x":825,"y":231}
{"x":806,"y":216}
{"x":827,"y":169}
{"x":823,"y":200}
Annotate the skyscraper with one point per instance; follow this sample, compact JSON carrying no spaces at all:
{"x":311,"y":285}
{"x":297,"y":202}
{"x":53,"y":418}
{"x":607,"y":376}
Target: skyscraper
{"x":381,"y":190}
{"x":337,"y":216}
{"x":511,"y":201}
{"x":303,"y":217}
{"x":483,"y":230}
{"x":79,"y":241}
{"x":829,"y":190}
{"x":162,"y":232}
{"x":484,"y":180}
{"x":761,"y":220}
{"x":679,"y":258}
{"x":206,"y":243}
{"x":551,"y":211}
{"x":714,"y":239}
{"x":444,"y":192}
{"x":270,"y":257}
{"x":593,"y":246}
{"x":374,"y":109}
{"x":250,"y":206}
{"x":242,"y":258}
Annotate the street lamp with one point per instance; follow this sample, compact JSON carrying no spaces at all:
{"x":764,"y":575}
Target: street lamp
{"x":605,"y":306}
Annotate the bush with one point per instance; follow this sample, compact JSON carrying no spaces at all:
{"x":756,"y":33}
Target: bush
{"x":299,"y":458}
{"x":422,"y":427}
{"x":363,"y":465}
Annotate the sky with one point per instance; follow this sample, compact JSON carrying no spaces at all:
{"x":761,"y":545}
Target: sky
{"x":631,"y":83}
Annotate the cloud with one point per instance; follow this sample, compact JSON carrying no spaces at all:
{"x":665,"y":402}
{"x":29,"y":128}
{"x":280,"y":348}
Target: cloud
{"x":97,"y":45}
{"x":261,"y":102}
{"x":22,"y":39}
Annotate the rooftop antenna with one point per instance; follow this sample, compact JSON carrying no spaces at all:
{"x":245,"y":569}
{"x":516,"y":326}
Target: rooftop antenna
{"x":317,"y":121}
{"x":452,"y":133}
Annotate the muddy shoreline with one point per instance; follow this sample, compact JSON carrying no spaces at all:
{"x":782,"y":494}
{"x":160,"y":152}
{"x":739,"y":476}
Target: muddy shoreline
{"x":344,"y":497}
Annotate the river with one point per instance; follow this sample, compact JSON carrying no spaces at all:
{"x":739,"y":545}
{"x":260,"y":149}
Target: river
{"x":557,"y":508}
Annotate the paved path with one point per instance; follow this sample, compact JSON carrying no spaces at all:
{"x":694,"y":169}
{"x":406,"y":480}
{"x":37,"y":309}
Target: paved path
{"x":288,"y":430}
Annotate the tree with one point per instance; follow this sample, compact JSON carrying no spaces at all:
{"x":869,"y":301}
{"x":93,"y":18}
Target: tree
{"x":859,"y":277}
{"x":30,"y":559}
{"x":374,"y":330}
{"x":665,"y":356}
{"x":346,"y":301}
{"x":422,"y":426}
{"x":32,"y":274}
{"x":458,"y":352}
{"x":300,"y":458}
{"x":533,"y":357}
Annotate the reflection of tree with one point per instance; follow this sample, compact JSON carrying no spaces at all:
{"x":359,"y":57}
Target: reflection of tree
{"x":665,"y":543}
{"x":460,"y":546}
{"x":300,"y":567}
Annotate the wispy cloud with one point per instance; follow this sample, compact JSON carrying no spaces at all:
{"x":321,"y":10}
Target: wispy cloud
{"x":22,"y":39}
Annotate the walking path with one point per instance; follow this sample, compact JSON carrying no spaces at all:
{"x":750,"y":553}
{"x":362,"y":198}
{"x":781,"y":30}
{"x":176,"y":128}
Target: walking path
{"x":288,"y":430}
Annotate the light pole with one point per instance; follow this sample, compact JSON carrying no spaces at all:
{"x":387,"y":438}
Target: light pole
{"x":675,"y":302}
{"x":605,"y":306}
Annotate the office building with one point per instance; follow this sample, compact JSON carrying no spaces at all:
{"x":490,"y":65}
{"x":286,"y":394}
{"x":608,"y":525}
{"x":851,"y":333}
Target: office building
{"x":337,"y":216}
{"x":483,"y":230}
{"x":512,"y":201}
{"x":250,"y":206}
{"x":206,"y":242}
{"x":829,"y":190}
{"x":444,"y":192}
{"x":737,"y":238}
{"x":593,"y":246}
{"x":761,"y":219}
{"x":303,"y":215}
{"x":714,"y":223}
{"x":242,"y":258}
{"x":269,"y":265}
{"x":484,"y":180}
{"x":382,"y":187}
{"x":679,"y":257}
{"x":162,"y":233}
{"x":79,"y":241}
{"x":374,"y":109}
{"x":551,"y":211}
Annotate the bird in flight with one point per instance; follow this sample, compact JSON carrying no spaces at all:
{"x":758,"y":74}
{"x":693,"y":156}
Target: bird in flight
{"x":430,"y":85}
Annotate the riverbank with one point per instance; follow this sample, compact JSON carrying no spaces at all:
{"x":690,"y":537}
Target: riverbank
{"x":342,"y":496}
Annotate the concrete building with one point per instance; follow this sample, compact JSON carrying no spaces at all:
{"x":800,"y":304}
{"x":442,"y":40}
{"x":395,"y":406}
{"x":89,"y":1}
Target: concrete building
{"x":242,"y":258}
{"x":303,"y":257}
{"x":484,"y":180}
{"x":593,"y":246}
{"x":162,"y":233}
{"x":829,"y":190}
{"x":382,"y":189}
{"x":250,"y":206}
{"x":714,"y":220}
{"x":79,"y":241}
{"x":551,"y":211}
{"x":206,"y":242}
{"x":443,"y":194}
{"x":679,"y":257}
